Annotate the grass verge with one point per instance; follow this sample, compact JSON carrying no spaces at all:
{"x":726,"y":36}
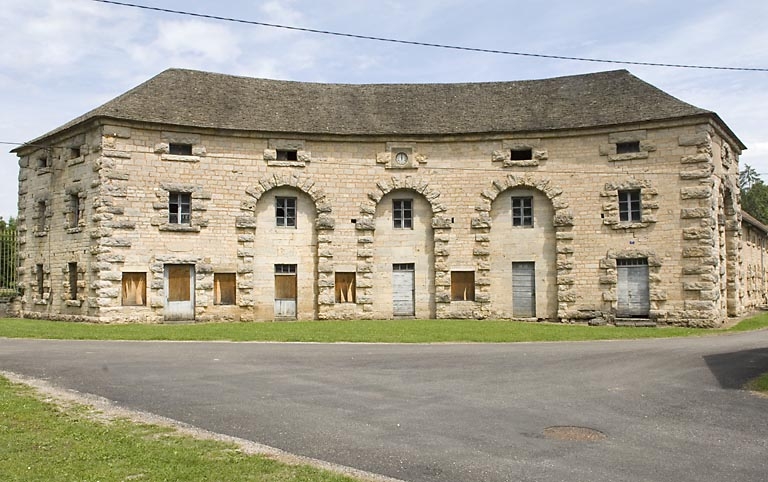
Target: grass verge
{"x":386,"y":331}
{"x":41,"y":441}
{"x":759,"y":384}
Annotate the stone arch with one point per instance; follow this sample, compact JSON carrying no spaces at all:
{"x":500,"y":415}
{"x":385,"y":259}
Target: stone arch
{"x":246,"y":235}
{"x":562,"y":222}
{"x":365,"y":226}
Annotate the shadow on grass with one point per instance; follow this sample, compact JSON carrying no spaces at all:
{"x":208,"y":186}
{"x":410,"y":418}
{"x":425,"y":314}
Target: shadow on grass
{"x":734,"y":369}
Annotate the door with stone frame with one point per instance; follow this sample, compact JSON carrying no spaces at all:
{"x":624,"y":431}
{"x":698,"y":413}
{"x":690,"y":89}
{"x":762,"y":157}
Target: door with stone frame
{"x":524,"y":289}
{"x":633,"y":299}
{"x":285,"y":291}
{"x":179,"y":281}
{"x":403,"y":289}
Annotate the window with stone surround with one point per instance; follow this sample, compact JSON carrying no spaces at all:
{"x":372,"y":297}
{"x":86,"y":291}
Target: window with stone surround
{"x":179,"y":149}
{"x":285,"y":212}
{"x":179,"y":207}
{"x":134,"y":289}
{"x":224,"y":288}
{"x":74,"y":214}
{"x":287,"y":154}
{"x":41,"y":216}
{"x":345,"y":287}
{"x":630,"y":206}
{"x":462,"y":286}
{"x":72,"y":275}
{"x":521,"y":154}
{"x":522,"y":211}
{"x":627,"y":147}
{"x":402,"y":213}
{"x":40,"y":280}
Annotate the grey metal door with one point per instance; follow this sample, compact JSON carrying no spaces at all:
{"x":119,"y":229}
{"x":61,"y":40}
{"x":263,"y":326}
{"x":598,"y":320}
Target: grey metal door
{"x":179,"y":292}
{"x":403,"y":289}
{"x":633,"y":292}
{"x":524,"y":290}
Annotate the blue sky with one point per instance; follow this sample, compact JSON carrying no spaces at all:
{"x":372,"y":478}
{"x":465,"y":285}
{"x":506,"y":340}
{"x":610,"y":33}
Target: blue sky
{"x":61,"y":58}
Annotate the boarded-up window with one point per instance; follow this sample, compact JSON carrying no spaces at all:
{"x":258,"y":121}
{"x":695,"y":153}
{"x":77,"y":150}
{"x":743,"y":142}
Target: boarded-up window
{"x":285,"y":281}
{"x":345,"y":288}
{"x":462,"y":286}
{"x":72,"y":268}
{"x":178,"y":283}
{"x":224,"y":285}
{"x":134,"y":289}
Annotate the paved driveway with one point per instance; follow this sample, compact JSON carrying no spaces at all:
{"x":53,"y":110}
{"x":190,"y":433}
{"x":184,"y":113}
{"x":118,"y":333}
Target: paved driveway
{"x":670,"y":410}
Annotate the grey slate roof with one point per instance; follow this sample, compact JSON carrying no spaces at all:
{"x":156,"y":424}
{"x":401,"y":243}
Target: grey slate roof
{"x":201,"y":99}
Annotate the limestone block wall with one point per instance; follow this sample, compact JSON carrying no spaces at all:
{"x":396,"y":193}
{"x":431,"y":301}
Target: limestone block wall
{"x":461,"y":186}
{"x":753,"y":280}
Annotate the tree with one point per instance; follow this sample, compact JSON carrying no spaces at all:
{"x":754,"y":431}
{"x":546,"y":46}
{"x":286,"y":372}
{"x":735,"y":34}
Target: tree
{"x":748,"y":177}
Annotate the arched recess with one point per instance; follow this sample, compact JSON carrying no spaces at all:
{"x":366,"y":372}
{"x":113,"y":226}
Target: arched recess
{"x":562,"y":221}
{"x":729,"y":228}
{"x":366,"y":227}
{"x":322,"y":269}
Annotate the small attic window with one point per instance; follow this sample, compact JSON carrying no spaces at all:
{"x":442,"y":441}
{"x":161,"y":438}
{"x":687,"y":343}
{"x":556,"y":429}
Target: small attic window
{"x":287,"y":155}
{"x":521,"y":154}
{"x":178,"y":149}
{"x":74,"y":152}
{"x":42,"y":161}
{"x":627,"y":147}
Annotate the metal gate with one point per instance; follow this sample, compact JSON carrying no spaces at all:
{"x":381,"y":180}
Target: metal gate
{"x":403,"y":289}
{"x":285,"y":291}
{"x":179,"y":292}
{"x":8,"y":261}
{"x":633,"y":292}
{"x":524,"y":290}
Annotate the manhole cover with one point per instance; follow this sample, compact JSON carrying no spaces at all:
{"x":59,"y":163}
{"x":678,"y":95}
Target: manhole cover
{"x":567,"y":432}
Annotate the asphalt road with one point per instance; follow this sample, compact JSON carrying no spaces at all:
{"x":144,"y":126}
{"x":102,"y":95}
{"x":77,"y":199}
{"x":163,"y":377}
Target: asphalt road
{"x":670,"y":410}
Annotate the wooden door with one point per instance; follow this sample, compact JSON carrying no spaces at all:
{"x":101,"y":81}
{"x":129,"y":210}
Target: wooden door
{"x":179,"y":292}
{"x":285,"y":291}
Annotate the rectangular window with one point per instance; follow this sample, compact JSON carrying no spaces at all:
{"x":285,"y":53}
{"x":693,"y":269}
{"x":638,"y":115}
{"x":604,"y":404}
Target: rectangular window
{"x":134,"y":289}
{"x":285,"y":211}
{"x":179,"y":207}
{"x":72,"y":281}
{"x":41,"y":216}
{"x":462,"y":286}
{"x":402,"y":213}
{"x":345,"y":288}
{"x":74,"y":206}
{"x":42,"y":161}
{"x":224,"y":288}
{"x":630,"y":208}
{"x":180,"y":149}
{"x":287,"y":155}
{"x":522,"y":211}
{"x":40,"y":276}
{"x":74,"y":152}
{"x":521,"y":154}
{"x":627,"y":147}
{"x":403,"y":267}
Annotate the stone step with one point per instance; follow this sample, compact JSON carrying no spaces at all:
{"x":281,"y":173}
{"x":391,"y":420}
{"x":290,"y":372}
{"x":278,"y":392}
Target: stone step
{"x":635,"y":322}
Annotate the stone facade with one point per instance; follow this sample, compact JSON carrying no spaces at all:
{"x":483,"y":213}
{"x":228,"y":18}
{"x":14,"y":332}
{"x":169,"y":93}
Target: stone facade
{"x":110,"y":206}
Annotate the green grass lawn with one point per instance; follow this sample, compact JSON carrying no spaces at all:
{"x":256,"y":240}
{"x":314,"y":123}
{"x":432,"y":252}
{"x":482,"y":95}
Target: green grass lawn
{"x":386,"y":331}
{"x":41,"y":442}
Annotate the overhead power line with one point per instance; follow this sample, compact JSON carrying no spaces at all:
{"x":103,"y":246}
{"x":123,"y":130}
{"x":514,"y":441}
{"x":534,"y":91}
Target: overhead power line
{"x":428,"y":44}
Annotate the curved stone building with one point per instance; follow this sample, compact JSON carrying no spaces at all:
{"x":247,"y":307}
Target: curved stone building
{"x":200,"y":196}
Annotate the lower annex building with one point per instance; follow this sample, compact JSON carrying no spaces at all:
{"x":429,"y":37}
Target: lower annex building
{"x":201,"y":196}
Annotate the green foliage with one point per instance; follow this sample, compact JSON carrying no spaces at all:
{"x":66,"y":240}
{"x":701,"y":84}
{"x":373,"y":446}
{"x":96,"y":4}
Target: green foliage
{"x":754,"y":194}
{"x":381,"y":331}
{"x":8,"y":257}
{"x":39,"y":441}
